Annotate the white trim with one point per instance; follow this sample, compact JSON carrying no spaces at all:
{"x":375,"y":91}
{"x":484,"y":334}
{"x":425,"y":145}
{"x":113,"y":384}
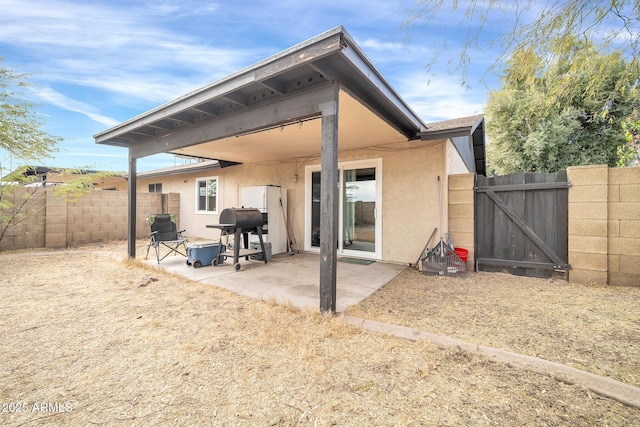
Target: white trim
{"x":197,"y":198}
{"x":356,"y":164}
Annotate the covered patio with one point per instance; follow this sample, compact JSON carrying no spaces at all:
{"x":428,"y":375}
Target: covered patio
{"x":325,"y":87}
{"x":288,"y":279}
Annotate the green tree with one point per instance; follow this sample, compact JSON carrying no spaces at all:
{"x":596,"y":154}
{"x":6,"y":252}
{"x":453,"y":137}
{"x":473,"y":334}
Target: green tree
{"x":508,"y":27}
{"x":20,"y":127}
{"x":21,"y":135}
{"x":564,"y":113}
{"x":629,"y":154}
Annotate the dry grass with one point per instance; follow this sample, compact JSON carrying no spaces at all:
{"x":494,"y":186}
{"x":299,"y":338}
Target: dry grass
{"x":121,"y":344}
{"x":595,"y":328}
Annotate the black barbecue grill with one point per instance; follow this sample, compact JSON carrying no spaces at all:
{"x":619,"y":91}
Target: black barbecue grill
{"x":241,"y":222}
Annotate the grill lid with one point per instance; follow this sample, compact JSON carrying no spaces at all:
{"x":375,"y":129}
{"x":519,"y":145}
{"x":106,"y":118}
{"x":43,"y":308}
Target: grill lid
{"x":246,"y":219}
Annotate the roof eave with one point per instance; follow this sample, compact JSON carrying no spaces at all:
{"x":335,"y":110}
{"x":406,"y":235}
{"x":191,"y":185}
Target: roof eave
{"x":367,"y":84}
{"x":220,"y":87}
{"x":445,"y":133}
{"x":381,"y":85}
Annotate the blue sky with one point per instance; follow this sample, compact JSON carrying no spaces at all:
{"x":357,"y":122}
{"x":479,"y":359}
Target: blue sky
{"x":96,"y":63}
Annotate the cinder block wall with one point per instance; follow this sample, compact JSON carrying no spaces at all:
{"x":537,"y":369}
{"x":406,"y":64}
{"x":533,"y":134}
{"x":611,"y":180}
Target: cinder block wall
{"x":58,"y":222}
{"x":624,"y":226}
{"x":172,"y":205}
{"x":588,"y":223}
{"x":26,"y":233}
{"x":461,"y":217}
{"x":604,"y":225}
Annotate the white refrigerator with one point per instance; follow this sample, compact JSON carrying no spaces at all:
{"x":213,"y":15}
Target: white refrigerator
{"x":271,"y":200}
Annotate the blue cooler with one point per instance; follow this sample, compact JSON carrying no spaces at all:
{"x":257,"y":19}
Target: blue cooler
{"x":204,"y":253}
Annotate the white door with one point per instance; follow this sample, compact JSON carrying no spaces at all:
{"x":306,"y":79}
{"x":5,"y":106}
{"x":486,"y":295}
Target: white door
{"x":360,"y":195}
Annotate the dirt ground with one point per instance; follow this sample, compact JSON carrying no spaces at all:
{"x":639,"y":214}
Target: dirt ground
{"x":590,"y":327}
{"x":88,"y":338}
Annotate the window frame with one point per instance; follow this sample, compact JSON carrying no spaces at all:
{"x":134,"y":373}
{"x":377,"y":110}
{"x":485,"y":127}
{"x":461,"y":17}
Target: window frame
{"x":155,"y":185}
{"x":217,"y":195}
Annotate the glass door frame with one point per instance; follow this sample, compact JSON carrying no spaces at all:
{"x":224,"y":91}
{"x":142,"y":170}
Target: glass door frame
{"x":356,"y":164}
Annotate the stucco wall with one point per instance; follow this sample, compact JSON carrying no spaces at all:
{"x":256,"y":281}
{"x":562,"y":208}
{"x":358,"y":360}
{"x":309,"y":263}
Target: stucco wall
{"x":409,"y":193}
{"x":231,"y":182}
{"x":410,"y":201}
{"x":455,"y":164}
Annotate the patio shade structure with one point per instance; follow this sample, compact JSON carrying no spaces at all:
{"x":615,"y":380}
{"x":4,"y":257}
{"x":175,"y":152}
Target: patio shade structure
{"x":325,"y":85}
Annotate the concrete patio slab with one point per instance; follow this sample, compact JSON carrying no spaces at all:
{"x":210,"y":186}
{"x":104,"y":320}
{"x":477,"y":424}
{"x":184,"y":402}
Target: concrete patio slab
{"x":288,"y":279}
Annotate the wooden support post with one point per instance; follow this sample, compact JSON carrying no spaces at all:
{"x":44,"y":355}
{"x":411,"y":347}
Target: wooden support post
{"x":132,"y":213}
{"x":329,"y":204}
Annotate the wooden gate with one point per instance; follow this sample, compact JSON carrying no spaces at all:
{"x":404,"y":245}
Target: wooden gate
{"x":521,"y":223}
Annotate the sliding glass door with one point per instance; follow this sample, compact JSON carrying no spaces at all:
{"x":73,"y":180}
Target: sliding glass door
{"x":360,"y":200}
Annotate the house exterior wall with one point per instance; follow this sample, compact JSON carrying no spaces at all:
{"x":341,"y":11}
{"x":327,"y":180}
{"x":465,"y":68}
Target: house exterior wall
{"x":454,"y":163}
{"x":409,"y":193}
{"x":115,"y":185}
{"x":231,"y":180}
{"x":409,"y":197}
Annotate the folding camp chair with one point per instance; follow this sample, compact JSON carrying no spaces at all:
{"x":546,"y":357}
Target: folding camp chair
{"x":164,"y":232}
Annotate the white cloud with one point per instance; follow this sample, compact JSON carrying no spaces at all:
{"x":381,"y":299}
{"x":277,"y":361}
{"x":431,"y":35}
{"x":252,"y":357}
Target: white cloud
{"x":373,"y":44}
{"x":180,"y":8}
{"x":64,"y":102}
{"x":440,"y":98}
{"x":126,"y":50}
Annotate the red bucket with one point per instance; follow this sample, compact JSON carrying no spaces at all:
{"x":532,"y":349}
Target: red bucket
{"x":462,"y":253}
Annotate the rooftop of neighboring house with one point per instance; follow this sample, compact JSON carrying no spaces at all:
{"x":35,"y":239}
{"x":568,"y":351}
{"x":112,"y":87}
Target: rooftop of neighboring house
{"x":54,"y":176}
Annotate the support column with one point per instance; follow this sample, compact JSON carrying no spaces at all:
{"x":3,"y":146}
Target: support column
{"x":132,"y":212}
{"x":329,"y":204}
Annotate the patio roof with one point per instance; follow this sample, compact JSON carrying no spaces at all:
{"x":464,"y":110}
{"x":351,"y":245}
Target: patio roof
{"x":270,"y":95}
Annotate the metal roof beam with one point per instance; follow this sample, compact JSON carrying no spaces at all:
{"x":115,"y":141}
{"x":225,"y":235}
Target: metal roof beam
{"x":163,"y":125}
{"x":235,"y":97}
{"x":144,"y":132}
{"x":274,"y":85}
{"x":174,"y":107}
{"x":320,"y":70}
{"x":207,"y":109}
{"x":303,"y":105}
{"x":183,"y":117}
